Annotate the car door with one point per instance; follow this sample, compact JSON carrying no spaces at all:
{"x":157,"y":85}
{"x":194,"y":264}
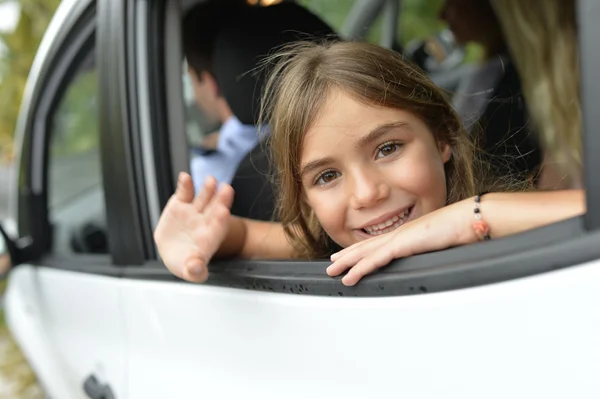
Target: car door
{"x":506,"y":318}
{"x":63,"y":305}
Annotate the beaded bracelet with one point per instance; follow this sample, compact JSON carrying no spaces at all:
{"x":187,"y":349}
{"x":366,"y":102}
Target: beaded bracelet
{"x":481,"y":228}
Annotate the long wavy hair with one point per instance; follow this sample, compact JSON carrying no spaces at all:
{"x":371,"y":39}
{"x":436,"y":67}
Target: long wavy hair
{"x":302,"y":76}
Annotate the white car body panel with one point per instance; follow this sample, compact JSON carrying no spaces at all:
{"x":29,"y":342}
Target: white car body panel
{"x":533,"y":337}
{"x":69,"y":325}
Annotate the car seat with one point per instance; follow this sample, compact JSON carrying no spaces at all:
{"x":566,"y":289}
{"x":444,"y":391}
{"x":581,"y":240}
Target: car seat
{"x":240,"y":46}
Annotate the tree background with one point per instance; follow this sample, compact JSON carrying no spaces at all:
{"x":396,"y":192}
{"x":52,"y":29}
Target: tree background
{"x":20,"y":47}
{"x":418,"y":19}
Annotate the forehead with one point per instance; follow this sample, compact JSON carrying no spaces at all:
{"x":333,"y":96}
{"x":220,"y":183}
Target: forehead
{"x":343,"y":120}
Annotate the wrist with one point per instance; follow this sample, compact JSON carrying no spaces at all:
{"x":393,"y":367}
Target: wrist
{"x":473,"y":225}
{"x":234,"y":241}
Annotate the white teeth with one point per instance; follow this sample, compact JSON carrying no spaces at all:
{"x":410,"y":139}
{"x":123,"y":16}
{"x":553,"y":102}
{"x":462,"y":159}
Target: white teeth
{"x":388,"y":225}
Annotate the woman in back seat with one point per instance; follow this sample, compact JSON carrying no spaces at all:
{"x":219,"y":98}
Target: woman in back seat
{"x":489,"y":99}
{"x":542,"y":38}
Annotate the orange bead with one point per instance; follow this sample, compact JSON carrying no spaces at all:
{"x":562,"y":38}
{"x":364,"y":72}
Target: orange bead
{"x":481,"y":228}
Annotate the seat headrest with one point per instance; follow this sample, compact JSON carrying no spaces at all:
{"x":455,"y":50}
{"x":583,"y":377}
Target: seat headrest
{"x":246,"y":39}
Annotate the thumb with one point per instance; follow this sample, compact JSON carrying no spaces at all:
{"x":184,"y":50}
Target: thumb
{"x":195,"y":270}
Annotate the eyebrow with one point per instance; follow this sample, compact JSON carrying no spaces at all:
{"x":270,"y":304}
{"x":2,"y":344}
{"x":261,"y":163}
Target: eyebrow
{"x":369,"y":138}
{"x":316,"y":164}
{"x":380,"y":131}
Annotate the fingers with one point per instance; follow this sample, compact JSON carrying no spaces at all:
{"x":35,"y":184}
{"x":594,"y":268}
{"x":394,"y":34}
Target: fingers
{"x":206,"y":194}
{"x":362,"y":259}
{"x":225,"y":195}
{"x":339,"y":266}
{"x":215,"y":208}
{"x":217,"y":211}
{"x":222,"y":199}
{"x":185,"y":188}
{"x":349,"y":249}
{"x":350,"y":256}
{"x":365,"y":267}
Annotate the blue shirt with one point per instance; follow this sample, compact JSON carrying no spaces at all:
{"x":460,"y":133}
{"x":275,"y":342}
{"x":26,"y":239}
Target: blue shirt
{"x":236,"y":140}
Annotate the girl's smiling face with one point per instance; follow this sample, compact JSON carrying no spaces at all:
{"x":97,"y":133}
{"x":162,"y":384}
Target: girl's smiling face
{"x":367,"y":170}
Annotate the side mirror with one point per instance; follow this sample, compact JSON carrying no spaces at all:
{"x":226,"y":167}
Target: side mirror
{"x":6,"y":254}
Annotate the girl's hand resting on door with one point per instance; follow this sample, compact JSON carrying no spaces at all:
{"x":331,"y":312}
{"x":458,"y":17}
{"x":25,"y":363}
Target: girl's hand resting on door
{"x":444,"y":228}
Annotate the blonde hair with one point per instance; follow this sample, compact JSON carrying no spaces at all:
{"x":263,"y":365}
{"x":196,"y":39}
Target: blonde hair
{"x":542,"y":40}
{"x":304,"y":74}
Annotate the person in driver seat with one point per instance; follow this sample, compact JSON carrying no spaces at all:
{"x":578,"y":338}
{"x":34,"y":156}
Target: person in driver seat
{"x":224,"y":43}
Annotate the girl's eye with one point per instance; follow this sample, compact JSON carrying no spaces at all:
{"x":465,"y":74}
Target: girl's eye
{"x":327,"y":177}
{"x":387,"y":149}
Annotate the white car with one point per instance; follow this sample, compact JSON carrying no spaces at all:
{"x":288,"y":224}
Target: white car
{"x":101,"y":138}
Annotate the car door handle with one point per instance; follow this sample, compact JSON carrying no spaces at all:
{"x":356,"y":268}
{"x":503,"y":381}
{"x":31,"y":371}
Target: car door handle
{"x":96,"y":390}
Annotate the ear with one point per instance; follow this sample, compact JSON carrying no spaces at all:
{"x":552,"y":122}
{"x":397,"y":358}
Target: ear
{"x":193,"y":74}
{"x":209,"y":80}
{"x":445,"y":151}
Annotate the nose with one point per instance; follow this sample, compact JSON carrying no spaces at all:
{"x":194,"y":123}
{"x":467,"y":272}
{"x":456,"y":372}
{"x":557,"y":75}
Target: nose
{"x":367,"y":189}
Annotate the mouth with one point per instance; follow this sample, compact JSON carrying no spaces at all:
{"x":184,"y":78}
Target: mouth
{"x":389,"y":224}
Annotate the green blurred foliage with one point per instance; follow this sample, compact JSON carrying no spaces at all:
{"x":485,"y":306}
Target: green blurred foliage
{"x":75,"y":121}
{"x":20,"y":48}
{"x":418,"y":19}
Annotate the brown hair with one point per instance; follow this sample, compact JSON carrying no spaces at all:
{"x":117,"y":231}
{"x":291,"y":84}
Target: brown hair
{"x":302,"y":77}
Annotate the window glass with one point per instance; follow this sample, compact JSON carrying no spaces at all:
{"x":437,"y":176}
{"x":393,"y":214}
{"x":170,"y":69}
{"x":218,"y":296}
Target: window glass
{"x":75,"y":191}
{"x":334,"y":12}
{"x":241,"y":164}
{"x":417,"y":19}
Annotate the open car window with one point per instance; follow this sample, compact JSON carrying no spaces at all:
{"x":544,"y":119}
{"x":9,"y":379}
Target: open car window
{"x":550,"y":248}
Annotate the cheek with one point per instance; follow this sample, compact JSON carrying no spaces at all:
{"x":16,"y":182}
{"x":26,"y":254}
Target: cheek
{"x":200,"y":96}
{"x":426,"y":180}
{"x":329,"y":210}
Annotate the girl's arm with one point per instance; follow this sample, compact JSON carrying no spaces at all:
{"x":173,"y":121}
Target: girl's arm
{"x":191,"y":231}
{"x":504,"y":213}
{"x":512,"y":213}
{"x":254,"y":239}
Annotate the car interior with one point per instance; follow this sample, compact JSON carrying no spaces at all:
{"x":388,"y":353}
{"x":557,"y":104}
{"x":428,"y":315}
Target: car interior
{"x":504,"y":147}
{"x":378,"y":21}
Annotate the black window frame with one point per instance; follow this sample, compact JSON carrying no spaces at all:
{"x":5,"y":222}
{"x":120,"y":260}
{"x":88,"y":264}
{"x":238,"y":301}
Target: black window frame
{"x":73,"y":42}
{"x":561,"y":245}
{"x":128,"y":221}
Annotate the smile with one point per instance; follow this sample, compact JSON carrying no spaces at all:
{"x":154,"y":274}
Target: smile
{"x":388,"y":225}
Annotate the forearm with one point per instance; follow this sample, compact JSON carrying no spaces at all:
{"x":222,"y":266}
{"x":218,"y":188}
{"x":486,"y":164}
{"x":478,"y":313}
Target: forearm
{"x":512,"y":213}
{"x":253,"y":239}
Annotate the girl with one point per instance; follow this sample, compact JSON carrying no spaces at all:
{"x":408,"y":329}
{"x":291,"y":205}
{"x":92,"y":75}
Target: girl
{"x":366,"y":149}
